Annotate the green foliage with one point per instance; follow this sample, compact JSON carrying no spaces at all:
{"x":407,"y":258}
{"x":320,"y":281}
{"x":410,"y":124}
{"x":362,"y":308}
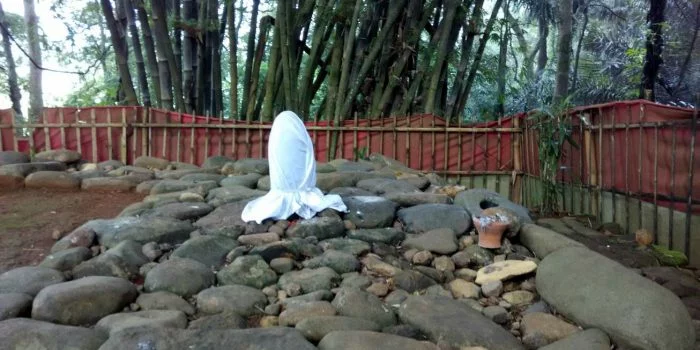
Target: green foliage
{"x":361,"y":153}
{"x":554,"y":127}
{"x":669,"y":257}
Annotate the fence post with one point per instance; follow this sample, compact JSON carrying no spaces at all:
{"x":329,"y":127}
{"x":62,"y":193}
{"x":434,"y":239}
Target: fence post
{"x":516,"y":190}
{"x":693,"y":129}
{"x":592,"y":168}
{"x":123,"y":143}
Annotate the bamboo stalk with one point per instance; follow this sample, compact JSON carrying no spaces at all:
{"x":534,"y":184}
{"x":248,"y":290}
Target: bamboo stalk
{"x":260,"y":137}
{"x":612,"y":168}
{"x":498,"y":155}
{"x":420,"y":146}
{"x":627,"y":178}
{"x":656,"y":184}
{"x":206,"y":139}
{"x":407,"y":154}
{"x":150,"y":133}
{"x":592,"y":170}
{"x":393,"y":149}
{"x":314,"y":130}
{"x":179,"y":137}
{"x":517,"y":155}
{"x":580,"y":165}
{"x":459,"y":150}
{"x":673,"y":185}
{"x":340,"y":142}
{"x":165,"y":152}
{"x":93,"y":132}
{"x":432,"y":152}
{"x":221,"y":136}
{"x":192,"y":126}
{"x":123,"y":143}
{"x":447,"y":148}
{"x":233,"y":141}
{"x":145,"y":132}
{"x":381,"y":135}
{"x":473,"y":161}
{"x":109,"y":134}
{"x":13,"y":134}
{"x":690,"y":175}
{"x":601,"y":203}
{"x":486,"y":161}
{"x":133,"y":139}
{"x":47,"y":135}
{"x":247,"y":142}
{"x":639,"y":168}
{"x":329,"y":155}
{"x":354,"y":138}
{"x":62,"y":129}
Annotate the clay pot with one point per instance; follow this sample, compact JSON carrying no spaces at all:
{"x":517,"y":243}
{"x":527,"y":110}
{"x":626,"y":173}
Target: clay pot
{"x":490,"y":231}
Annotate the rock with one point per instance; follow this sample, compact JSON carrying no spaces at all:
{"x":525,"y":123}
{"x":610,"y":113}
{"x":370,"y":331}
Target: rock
{"x":13,"y":157}
{"x":109,"y":165}
{"x":141,"y":230}
{"x":151,"y":162}
{"x":65,"y":260}
{"x":24,"y":169}
{"x":319,"y":227}
{"x":476,"y":200}
{"x":412,"y":281}
{"x":180,"y":276}
{"x":24,"y":333}
{"x":318,"y":295}
{"x":497,"y":314}
{"x":243,"y":300}
{"x":653,"y":318}
{"x":297,"y":312}
{"x":540,"y":306}
{"x":142,"y":319}
{"x":370,"y":211}
{"x":29,"y":279}
{"x":543,"y":241}
{"x":440,"y":241}
{"x":379,"y":289}
{"x":216,"y":161}
{"x":437,"y":317}
{"x":374,"y":264}
{"x":518,"y":297}
{"x":277,"y":338}
{"x":680,"y":283}
{"x":52,"y":179}
{"x":316,"y":327}
{"x":340,"y":262}
{"x":208,"y":250}
{"x":164,"y":301}
{"x":83,"y":301}
{"x":368,"y":340}
{"x":282,"y":265}
{"x":377,"y":235}
{"x":350,"y":192}
{"x":58,"y":155}
{"x":250,"y":165}
{"x":249,"y":270}
{"x":310,"y":280}
{"x":590,"y":339}
{"x":480,"y":256}
{"x":418,"y":198}
{"x":437,"y":290}
{"x":356,"y":303}
{"x":540,"y":329}
{"x":353,"y":246}
{"x":224,"y":220}
{"x":202,"y":177}
{"x":463,"y":289}
{"x":180,"y":211}
{"x":258,"y":238}
{"x":106,"y":184}
{"x":355,"y":280}
{"x":14,"y":305}
{"x":427,"y":217}
{"x":492,"y":288}
{"x":503,"y":270}
{"x":224,"y":320}
{"x":328,"y":181}
{"x":170,"y":186}
{"x":468,"y":275}
{"x":443,"y":264}
{"x":423,"y":257}
{"x":382,"y":186}
{"x":123,"y":263}
{"x":248,"y":180}
{"x":395,"y":298}
{"x":461,"y":259}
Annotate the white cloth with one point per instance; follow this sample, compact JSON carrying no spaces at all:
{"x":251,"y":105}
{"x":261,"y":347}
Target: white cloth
{"x":292,"y":176}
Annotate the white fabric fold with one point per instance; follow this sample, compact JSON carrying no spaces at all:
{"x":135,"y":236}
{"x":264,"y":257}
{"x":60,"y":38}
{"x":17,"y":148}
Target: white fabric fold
{"x":292,"y":176}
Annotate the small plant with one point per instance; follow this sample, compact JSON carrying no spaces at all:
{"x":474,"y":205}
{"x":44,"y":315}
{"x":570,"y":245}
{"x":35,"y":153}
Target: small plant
{"x":554,"y":127}
{"x":361,"y":153}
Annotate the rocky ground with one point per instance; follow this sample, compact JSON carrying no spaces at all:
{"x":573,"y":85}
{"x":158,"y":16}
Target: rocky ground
{"x":402,"y":269}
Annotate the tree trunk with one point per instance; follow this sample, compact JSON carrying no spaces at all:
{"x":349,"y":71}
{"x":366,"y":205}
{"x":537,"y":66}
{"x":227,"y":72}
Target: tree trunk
{"x":265,"y":24}
{"x":150,"y":50}
{"x":188,"y":52}
{"x":442,"y":39}
{"x":502,"y":55}
{"x":215,"y":38}
{"x":543,"y":30}
{"x":578,"y":48}
{"x":566,"y":15}
{"x":270,"y":79}
{"x":15,"y":94}
{"x":138,"y":55}
{"x":347,"y":51}
{"x":177,"y":31}
{"x":163,"y":44}
{"x":36,"y":100}
{"x":233,"y":59}
{"x":120,"y":51}
{"x":250,"y":55}
{"x":654,"y":47}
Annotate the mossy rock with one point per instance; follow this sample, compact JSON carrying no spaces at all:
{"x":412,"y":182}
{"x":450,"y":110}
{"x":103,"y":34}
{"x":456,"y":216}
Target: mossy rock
{"x":669,"y":257}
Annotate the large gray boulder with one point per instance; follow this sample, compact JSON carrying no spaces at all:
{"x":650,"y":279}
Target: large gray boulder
{"x":477,"y":200}
{"x":370,"y":211}
{"x":445,"y":320}
{"x":29,"y":279}
{"x":247,"y":180}
{"x":340,"y":262}
{"x":151,"y":162}
{"x":385,"y":186}
{"x":242,"y":300}
{"x":13,"y":157}
{"x":328,"y":181}
{"x":315,"y":328}
{"x":208,"y":250}
{"x":123,"y":260}
{"x":14,"y":305}
{"x":142,"y":230}
{"x":231,"y":194}
{"x":426,"y":217}
{"x":52,"y":179}
{"x":357,"y":303}
{"x":83,"y":301}
{"x":441,"y":241}
{"x":225,"y":220}
{"x":320,"y":227}
{"x":597,"y":292}
{"x":24,"y":333}
{"x":24,"y":169}
{"x":590,"y":339}
{"x":277,"y":338}
{"x":388,"y":235}
{"x":252,"y":165}
{"x":249,"y":270}
{"x":543,"y":241}
{"x":310,"y":280}
{"x":58,"y":155}
{"x":368,"y":340}
{"x":180,"y":211}
{"x":142,"y":319}
{"x":180,"y":276}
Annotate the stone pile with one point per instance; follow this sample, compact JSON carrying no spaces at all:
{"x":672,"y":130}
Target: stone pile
{"x":400,"y":270}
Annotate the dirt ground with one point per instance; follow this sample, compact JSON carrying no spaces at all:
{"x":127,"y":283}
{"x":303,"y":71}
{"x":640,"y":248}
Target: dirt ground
{"x":29,"y":217}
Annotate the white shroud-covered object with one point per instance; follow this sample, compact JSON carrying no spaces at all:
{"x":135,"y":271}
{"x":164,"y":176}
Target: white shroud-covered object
{"x":292,"y":176}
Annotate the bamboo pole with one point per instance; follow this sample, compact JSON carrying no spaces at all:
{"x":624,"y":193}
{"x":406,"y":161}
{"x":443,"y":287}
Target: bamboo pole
{"x":110,"y":153}
{"x":13,"y":134}
{"x":673,"y":185}
{"x":47,"y":135}
{"x":192,"y":137}
{"x":329,"y":155}
{"x":592,"y":170}
{"x":447,"y":147}
{"x":145,"y":132}
{"x":179,"y":137}
{"x":261,"y":138}
{"x":407,"y":153}
{"x":656,"y":184}
{"x":473,"y":160}
{"x":164,"y":152}
{"x":612,"y":168}
{"x":601,"y":203}
{"x":420,"y":145}
{"x":206,"y":138}
{"x":134,"y":139}
{"x":580,"y":166}
{"x":393,"y":149}
{"x":627,"y":176}
{"x":517,"y":155}
{"x":62,"y":129}
{"x":432,"y":151}
{"x":123,"y":143}
{"x":221,"y":136}
{"x":93,"y":132}
{"x":486,"y":161}
{"x":354,"y":138}
{"x":498,"y":155}
{"x":459,"y":149}
{"x":639,"y":168}
{"x":689,"y":203}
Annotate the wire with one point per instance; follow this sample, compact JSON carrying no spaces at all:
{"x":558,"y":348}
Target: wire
{"x":12,"y":38}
